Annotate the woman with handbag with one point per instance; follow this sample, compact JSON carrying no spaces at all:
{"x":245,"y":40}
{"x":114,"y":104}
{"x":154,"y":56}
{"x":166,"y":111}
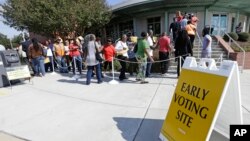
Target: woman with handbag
{"x":121,"y":48}
{"x":91,"y":57}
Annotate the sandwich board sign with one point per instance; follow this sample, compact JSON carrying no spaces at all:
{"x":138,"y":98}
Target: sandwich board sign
{"x":206,"y":98}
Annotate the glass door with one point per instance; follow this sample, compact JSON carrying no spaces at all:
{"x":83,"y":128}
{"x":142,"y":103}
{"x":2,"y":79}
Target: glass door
{"x":219,"y":24}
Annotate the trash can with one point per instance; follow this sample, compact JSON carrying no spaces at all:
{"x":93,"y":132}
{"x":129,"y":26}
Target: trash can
{"x":8,"y":59}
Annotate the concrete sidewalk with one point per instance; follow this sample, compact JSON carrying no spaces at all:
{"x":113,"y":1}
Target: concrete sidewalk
{"x":58,"y":108}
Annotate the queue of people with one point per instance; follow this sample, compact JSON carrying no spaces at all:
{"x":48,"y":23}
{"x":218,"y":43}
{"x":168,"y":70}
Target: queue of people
{"x":79,"y":53}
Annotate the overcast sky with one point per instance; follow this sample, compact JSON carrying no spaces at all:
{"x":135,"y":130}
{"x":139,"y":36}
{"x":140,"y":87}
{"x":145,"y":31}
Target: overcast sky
{"x":10,"y":32}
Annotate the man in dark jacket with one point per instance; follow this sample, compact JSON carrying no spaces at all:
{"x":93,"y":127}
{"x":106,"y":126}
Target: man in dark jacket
{"x":183,"y":48}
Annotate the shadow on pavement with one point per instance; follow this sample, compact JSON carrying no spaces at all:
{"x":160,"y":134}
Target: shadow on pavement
{"x":133,"y":130}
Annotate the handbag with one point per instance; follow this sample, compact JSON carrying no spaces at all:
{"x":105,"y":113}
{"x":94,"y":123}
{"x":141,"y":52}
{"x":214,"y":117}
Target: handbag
{"x":97,"y":55}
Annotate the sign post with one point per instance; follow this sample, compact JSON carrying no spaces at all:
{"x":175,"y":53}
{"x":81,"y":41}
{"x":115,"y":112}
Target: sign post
{"x":204,"y":94}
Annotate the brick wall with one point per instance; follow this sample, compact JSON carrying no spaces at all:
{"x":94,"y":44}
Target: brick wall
{"x":238,"y":56}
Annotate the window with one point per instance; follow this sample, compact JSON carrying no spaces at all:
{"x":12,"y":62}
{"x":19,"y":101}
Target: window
{"x":126,"y":27}
{"x":155,"y":25}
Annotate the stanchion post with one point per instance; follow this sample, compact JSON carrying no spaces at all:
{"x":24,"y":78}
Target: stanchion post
{"x":74,"y":59}
{"x":113,"y":81}
{"x":180,"y":64}
{"x":53,"y":66}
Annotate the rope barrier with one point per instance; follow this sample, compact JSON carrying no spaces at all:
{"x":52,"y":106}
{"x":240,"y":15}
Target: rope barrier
{"x":151,"y":62}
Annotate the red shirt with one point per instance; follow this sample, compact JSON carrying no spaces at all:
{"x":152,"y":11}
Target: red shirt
{"x":109,"y":52}
{"x":164,"y":43}
{"x":74,"y":50}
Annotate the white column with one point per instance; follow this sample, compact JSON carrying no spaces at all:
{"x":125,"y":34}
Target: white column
{"x":237,"y":20}
{"x":205,"y":17}
{"x":248,"y":24}
{"x":166,"y":26}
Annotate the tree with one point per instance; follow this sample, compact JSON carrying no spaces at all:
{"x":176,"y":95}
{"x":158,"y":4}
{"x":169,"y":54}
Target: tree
{"x":17,"y":40}
{"x":50,"y":17}
{"x":4,"y":41}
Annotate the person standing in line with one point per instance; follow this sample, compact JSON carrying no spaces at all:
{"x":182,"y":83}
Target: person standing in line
{"x":100,"y":48}
{"x":75,"y":55}
{"x":164,"y":52}
{"x":48,"y":66}
{"x":184,"y":22}
{"x":207,"y":41}
{"x":90,"y":57}
{"x":150,"y":50}
{"x":141,"y":56}
{"x":174,"y":28}
{"x":36,"y":56}
{"x":109,"y":53}
{"x":121,"y":48}
{"x":25,"y":48}
{"x":191,"y":30}
{"x":59,"y":53}
{"x":183,"y":48}
{"x":131,"y":57}
{"x":25,"y":54}
{"x":67,"y":52}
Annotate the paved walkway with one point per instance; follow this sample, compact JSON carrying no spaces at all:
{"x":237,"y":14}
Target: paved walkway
{"x":58,"y":108}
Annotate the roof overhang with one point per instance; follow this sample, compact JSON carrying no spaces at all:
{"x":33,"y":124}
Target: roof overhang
{"x":135,"y":6}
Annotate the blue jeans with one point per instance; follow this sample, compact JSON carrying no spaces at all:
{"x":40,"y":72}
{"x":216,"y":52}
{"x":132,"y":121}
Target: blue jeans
{"x":98,"y":73}
{"x":38,"y":64}
{"x":148,"y":69}
{"x":62,"y":64}
{"x":78,"y":60}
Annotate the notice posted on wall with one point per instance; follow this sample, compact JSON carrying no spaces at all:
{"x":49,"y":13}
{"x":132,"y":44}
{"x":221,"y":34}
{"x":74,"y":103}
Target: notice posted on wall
{"x":18,"y":72}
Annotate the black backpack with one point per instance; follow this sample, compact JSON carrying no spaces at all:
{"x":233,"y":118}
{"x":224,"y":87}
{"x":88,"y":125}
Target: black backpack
{"x":135,"y":48}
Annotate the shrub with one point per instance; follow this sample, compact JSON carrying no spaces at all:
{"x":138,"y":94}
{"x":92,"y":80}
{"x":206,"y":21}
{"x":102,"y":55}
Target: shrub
{"x":243,"y":36}
{"x":117,"y":65}
{"x":232,"y":35}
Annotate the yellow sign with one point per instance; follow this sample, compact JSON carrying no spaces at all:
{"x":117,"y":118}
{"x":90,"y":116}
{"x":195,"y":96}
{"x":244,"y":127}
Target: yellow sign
{"x":18,"y":72}
{"x":193,"y":106}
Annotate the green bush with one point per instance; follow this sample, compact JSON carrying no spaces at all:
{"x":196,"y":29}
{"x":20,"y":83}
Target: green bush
{"x":232,"y":35}
{"x":117,"y":65}
{"x":243,"y":36}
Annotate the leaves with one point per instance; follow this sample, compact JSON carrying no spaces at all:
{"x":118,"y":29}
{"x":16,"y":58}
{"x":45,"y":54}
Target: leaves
{"x":48,"y":17}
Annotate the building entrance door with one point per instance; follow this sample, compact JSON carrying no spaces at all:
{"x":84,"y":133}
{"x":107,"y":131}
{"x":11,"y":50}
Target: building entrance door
{"x":219,"y":23}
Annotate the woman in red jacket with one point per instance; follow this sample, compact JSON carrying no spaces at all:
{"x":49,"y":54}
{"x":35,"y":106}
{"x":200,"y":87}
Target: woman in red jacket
{"x":109,"y":53}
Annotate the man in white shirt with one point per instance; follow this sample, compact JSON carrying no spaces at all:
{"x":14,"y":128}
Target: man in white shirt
{"x":150,"y":50}
{"x":121,"y":48}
